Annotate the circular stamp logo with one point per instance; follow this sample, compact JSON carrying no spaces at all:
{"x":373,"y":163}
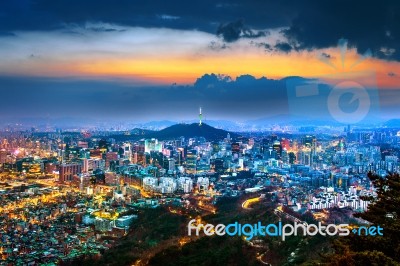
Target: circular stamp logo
{"x":359,"y":94}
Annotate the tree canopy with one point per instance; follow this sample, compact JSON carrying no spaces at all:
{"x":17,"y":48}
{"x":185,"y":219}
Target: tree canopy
{"x":384,"y":211}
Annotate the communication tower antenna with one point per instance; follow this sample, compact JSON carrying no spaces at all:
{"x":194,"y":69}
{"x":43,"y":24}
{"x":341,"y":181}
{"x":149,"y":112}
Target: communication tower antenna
{"x":200,"y":117}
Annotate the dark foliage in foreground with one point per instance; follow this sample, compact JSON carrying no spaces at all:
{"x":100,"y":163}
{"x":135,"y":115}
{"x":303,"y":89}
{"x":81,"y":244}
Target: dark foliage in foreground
{"x":374,"y":250}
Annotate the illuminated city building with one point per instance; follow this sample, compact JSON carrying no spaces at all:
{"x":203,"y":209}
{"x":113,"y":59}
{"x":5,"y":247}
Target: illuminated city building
{"x":127,"y":151}
{"x":110,"y":156}
{"x":67,"y":171}
{"x":185,"y":184}
{"x":153,"y":145}
{"x":191,"y":162}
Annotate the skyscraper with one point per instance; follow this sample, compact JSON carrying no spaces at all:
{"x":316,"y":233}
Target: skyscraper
{"x":191,"y":162}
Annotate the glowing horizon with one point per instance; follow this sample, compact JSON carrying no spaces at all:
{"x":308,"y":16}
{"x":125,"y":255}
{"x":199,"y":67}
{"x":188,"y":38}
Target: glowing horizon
{"x":166,"y":56}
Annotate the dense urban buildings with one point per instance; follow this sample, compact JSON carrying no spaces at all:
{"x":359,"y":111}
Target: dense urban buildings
{"x":73,"y":190}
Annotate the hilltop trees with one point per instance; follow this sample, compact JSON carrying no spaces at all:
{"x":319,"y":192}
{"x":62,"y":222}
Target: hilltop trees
{"x":385,"y":211}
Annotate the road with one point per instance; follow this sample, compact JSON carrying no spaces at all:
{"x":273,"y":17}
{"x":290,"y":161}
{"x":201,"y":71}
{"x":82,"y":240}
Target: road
{"x":246,"y":204}
{"x":260,"y":259}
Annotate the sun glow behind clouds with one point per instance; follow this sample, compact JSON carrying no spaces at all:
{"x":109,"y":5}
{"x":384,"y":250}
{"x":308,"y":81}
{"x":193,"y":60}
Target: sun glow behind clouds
{"x":160,"y":55}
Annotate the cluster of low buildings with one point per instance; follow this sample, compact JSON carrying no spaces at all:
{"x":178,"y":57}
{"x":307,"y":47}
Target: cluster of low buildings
{"x":182,"y":184}
{"x":40,"y":225}
{"x":353,"y":198}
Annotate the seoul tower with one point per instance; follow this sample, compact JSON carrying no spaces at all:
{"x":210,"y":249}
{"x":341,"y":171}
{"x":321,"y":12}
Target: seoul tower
{"x":200,"y":117}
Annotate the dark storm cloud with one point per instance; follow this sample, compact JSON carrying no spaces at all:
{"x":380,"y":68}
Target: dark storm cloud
{"x":267,"y":47}
{"x":309,"y":24}
{"x":367,"y":25}
{"x":216,"y":46}
{"x":233,"y":31}
{"x":326,"y":56}
{"x":283,"y":47}
{"x":203,"y":15}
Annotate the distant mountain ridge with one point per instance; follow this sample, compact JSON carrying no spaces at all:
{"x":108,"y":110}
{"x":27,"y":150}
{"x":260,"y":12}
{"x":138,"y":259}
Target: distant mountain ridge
{"x":192,"y":130}
{"x":178,"y":130}
{"x":154,"y":125}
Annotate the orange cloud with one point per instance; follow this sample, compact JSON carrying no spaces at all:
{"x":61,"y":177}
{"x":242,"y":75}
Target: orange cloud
{"x":186,"y":66}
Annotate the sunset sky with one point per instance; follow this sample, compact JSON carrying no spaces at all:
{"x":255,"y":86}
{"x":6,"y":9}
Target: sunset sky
{"x":68,"y":48}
